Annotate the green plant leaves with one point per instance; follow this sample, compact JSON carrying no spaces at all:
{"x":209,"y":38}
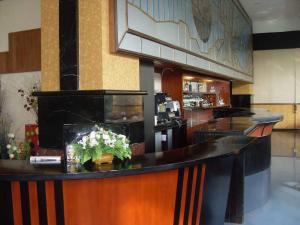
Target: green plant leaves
{"x":96,"y":143}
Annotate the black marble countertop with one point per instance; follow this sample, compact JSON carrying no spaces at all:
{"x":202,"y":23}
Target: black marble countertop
{"x":151,"y":162}
{"x":87,"y":92}
{"x":239,"y":125}
{"x":264,"y":116}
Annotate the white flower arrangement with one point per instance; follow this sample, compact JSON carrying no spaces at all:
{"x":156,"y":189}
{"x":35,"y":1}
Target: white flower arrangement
{"x":100,"y":141}
{"x":12,"y":148}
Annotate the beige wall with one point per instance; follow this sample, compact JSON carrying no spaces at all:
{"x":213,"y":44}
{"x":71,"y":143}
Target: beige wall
{"x":13,"y":105}
{"x":99,"y":67}
{"x":277,"y":84}
{"x":18,"y":15}
{"x":274,"y":76}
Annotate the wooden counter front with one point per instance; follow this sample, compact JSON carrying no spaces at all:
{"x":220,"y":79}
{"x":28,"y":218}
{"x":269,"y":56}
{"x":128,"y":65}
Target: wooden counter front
{"x":171,"y":197}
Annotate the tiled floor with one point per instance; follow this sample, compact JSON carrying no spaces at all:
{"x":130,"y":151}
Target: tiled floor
{"x":284,"y":204}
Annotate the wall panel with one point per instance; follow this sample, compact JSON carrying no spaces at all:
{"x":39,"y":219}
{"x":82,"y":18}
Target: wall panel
{"x":24,"y":53}
{"x":274,"y":76}
{"x":241,"y":88}
{"x":287,"y":110}
{"x":50,"y":45}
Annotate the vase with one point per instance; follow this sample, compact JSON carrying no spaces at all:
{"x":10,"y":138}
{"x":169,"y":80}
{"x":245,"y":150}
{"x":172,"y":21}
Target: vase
{"x":32,"y":137}
{"x":106,"y":158}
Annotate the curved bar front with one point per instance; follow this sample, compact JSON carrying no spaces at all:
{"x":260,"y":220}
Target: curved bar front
{"x":183,"y":186}
{"x":250,"y":188}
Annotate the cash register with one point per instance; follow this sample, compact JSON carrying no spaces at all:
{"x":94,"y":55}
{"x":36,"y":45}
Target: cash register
{"x":169,"y":126}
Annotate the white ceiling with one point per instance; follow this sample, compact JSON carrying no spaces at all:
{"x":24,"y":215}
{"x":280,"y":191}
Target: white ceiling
{"x":273,"y":15}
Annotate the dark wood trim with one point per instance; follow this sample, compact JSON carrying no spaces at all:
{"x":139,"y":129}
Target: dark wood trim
{"x":188,"y":196}
{"x":3,"y":62}
{"x":178,"y":196}
{"x":6,"y":206}
{"x":278,"y":40}
{"x":59,"y":202}
{"x":25,"y":203}
{"x":42,"y":202}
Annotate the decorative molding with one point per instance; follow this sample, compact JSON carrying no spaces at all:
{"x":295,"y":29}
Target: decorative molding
{"x":24,"y":53}
{"x":151,"y":29}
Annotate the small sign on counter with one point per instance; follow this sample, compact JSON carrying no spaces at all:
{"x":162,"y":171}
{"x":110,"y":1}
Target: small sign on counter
{"x":45,"y":160}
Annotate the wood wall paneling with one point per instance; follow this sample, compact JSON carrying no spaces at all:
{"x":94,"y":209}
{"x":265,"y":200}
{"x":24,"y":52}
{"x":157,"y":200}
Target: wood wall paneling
{"x":172,"y":84}
{"x":297,"y":116}
{"x":3,"y":62}
{"x":287,"y":110}
{"x":241,"y":88}
{"x":24,"y":53}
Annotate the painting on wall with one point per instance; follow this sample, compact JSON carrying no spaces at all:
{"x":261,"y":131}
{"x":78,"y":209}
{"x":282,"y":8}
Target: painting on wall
{"x":212,"y":35}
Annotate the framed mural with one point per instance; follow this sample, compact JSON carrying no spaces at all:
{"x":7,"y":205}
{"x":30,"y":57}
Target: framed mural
{"x":210,"y":35}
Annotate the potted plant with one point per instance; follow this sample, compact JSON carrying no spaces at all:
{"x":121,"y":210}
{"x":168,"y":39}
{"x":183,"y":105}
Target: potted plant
{"x":17,"y":151}
{"x":31,"y":105}
{"x":101,"y":146}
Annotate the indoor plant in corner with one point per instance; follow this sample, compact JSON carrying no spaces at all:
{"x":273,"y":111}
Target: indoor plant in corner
{"x":101,"y":146}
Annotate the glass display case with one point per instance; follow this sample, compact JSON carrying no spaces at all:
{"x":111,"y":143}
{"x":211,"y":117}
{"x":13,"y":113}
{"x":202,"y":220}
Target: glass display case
{"x":60,"y":108}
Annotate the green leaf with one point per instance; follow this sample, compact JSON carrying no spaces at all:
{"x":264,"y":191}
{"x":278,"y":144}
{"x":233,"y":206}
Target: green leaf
{"x":86,"y":157}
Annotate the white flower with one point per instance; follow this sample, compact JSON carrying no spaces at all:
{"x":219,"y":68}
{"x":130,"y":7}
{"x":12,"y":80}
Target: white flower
{"x":11,"y":135}
{"x":11,"y":156}
{"x":98,"y":135}
{"x":14,"y":148}
{"x":93,"y":142}
{"x":105,"y":136}
{"x":93,"y":135}
{"x":8,"y":146}
{"x":121,"y":136}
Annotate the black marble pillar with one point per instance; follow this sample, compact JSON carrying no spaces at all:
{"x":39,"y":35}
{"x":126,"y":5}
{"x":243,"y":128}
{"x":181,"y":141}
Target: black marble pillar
{"x":68,"y":44}
{"x":147,"y":84}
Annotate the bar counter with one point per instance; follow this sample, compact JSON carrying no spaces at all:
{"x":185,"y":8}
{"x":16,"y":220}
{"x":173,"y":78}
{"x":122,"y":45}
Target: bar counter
{"x":236,"y":124}
{"x":204,"y":183}
{"x":180,"y":186}
{"x":255,"y":162}
{"x":11,"y":170}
